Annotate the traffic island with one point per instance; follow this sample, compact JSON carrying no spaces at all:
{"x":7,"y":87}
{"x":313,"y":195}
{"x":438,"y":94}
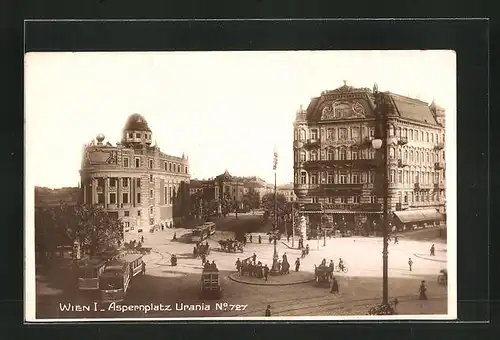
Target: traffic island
{"x":430,"y":258}
{"x":293,"y":278}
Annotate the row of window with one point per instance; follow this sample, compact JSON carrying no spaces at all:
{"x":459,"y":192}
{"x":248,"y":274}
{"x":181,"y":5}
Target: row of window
{"x":346,"y":177}
{"x":167,"y":166}
{"x":409,"y":197}
{"x":139,"y":212}
{"x":343,"y":199}
{"x":167,"y":194}
{"x":331,"y":154}
{"x":138,"y":135}
{"x":355,"y":133}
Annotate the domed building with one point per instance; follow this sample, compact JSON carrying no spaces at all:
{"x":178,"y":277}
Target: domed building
{"x":133,"y":179}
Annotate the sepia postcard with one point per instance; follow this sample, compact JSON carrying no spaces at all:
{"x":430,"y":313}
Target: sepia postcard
{"x":284,"y":185}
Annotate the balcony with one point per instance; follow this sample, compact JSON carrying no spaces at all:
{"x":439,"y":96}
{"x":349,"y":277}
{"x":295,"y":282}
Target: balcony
{"x":366,"y":142}
{"x":341,"y":164}
{"x":438,"y":186}
{"x":312,"y":142}
{"x":401,"y":164}
{"x":352,"y":206}
{"x":439,"y":146}
{"x":438,"y":165}
{"x":416,"y":186}
{"x":301,"y":190}
{"x":298,"y":144}
{"x":402,"y":140}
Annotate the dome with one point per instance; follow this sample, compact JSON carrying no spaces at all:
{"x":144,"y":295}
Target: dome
{"x":435,"y":107}
{"x":136,"y":122}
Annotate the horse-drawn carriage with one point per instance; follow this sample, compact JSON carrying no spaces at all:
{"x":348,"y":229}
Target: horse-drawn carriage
{"x":201,"y":250}
{"x":231,"y":246}
{"x":210,"y":283}
{"x":323,"y":274}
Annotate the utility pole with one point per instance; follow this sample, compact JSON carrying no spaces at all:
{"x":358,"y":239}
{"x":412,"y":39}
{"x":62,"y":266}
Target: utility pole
{"x":293,"y":225}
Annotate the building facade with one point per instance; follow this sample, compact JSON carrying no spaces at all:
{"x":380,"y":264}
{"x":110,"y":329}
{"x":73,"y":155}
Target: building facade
{"x":134,"y":179}
{"x":335,"y":165}
{"x":287,"y":191}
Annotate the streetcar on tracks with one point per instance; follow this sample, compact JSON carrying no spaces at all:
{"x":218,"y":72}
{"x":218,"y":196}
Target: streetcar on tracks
{"x":210,"y":283}
{"x":115,"y":280}
{"x":210,"y":226}
{"x":89,"y":272}
{"x":202,"y":232}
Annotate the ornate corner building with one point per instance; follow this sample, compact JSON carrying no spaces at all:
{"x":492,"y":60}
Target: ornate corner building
{"x":335,"y":163}
{"x":133,"y":179}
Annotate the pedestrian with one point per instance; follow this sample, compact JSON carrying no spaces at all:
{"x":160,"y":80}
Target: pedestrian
{"x":270,"y":239}
{"x":162,"y":227}
{"x":142,"y":239}
{"x":410,"y":263}
{"x":335,"y":286}
{"x":143,"y":268}
{"x":307,"y":249}
{"x":254,"y":258}
{"x":119,"y":243}
{"x":297,"y":264}
{"x":260,"y":239}
{"x":422,"y":291}
{"x":175,"y":237}
{"x":433,"y":251}
{"x":238,"y":264}
{"x":279,"y":266}
{"x":396,"y":241}
{"x":266,"y":272}
{"x":213,"y":264}
{"x":251,"y":238}
{"x":288,"y":238}
{"x":331,"y":266}
{"x":268,"y":310}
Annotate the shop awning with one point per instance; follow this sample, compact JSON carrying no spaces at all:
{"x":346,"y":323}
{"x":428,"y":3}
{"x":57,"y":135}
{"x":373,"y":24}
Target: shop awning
{"x":333,"y":211}
{"x":424,"y":215}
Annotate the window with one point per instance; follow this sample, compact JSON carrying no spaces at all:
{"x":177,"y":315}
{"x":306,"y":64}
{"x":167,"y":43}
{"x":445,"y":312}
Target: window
{"x":139,"y":198}
{"x":137,"y":162}
{"x":406,"y":177}
{"x":411,"y":134}
{"x":170,"y":167}
{"x":329,"y":154}
{"x":416,"y":177}
{"x":178,"y":168}
{"x":151,"y":210}
{"x":400,"y":176}
{"x":406,"y":156}
{"x":329,"y":178}
{"x":314,"y":179}
{"x":169,"y":195}
{"x":356,"y":199}
{"x":355,"y":178}
{"x":393,"y":174}
{"x":391,"y":153}
{"x":406,"y":198}
{"x":342,"y":134}
{"x":411,"y":155}
{"x":373,"y":199}
{"x":126,"y":213}
{"x":330,"y":199}
{"x":138,"y":182}
{"x":329,"y":134}
{"x":417,"y":158}
{"x":186,"y":169}
{"x":112,"y":182}
{"x":314,"y":156}
{"x":428,"y":158}
{"x":151,"y":179}
{"x":151,"y":193}
{"x":343,"y":154}
{"x":126,"y":162}
{"x":399,"y":132}
{"x":302,"y":134}
{"x":165,"y":166}
{"x":138,"y":213}
{"x":125,"y":198}
{"x":432,"y":138}
{"x":427,"y":137}
{"x":295,"y":135}
{"x":137,"y":135}
{"x":421,"y":136}
{"x":343,"y":178}
{"x":315,"y":199}
{"x":354,"y":155}
{"x":355,"y":133}
{"x":314,"y":134}
{"x":302,"y":156}
{"x":399,"y":154}
{"x":126,"y":225}
{"x":151,"y":164}
{"x":343,"y":199}
{"x":130,"y":135}
{"x":125,"y":182}
{"x":372,"y":132}
{"x":391,"y":130}
{"x":112,"y":198}
{"x":405,"y":132}
{"x":400,"y":198}
{"x":303,"y":178}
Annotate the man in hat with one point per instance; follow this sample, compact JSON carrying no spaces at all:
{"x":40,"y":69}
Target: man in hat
{"x":422,"y":291}
{"x":297,"y":264}
{"x":410,"y":263}
{"x":268,"y":310}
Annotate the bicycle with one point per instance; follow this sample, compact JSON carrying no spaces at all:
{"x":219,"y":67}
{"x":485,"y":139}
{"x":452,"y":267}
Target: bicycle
{"x":344,"y":269}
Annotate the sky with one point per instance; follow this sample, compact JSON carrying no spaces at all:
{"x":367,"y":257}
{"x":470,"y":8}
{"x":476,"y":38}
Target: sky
{"x":224,"y":110}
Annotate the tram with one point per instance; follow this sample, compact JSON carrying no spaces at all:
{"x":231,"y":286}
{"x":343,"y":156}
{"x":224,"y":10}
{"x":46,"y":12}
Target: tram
{"x":115,"y":280}
{"x":210,"y":226}
{"x":89,"y":272}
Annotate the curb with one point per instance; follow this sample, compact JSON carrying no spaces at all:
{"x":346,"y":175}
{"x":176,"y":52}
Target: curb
{"x":233,"y":278}
{"x":429,"y":259}
{"x":286,"y":245}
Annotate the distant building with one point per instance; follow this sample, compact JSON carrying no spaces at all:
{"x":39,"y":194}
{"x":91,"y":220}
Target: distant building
{"x":335,"y":165}
{"x":134,"y":179}
{"x":287,"y":191}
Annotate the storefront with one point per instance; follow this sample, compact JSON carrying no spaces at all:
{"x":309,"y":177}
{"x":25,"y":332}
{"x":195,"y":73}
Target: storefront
{"x":417,"y":218}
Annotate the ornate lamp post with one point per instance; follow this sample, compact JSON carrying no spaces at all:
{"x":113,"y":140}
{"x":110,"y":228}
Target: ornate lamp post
{"x":380,"y":144}
{"x":275,"y":232}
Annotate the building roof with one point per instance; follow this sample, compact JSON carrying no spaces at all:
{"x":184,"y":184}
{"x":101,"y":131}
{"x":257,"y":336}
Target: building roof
{"x":136,"y":122}
{"x":412,"y":109}
{"x":288,"y":186}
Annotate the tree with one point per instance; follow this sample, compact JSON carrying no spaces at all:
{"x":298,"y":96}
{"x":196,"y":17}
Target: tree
{"x":268,"y":203}
{"x":181,"y":202}
{"x":251,"y":199}
{"x":88,"y":225}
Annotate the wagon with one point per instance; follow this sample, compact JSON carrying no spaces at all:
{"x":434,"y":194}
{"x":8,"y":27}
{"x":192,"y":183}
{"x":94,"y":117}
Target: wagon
{"x":322,"y":274}
{"x":210,"y":283}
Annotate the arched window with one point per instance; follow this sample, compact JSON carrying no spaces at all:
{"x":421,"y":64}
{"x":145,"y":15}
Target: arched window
{"x":399,"y":132}
{"x":302,"y":156}
{"x":303,"y":178}
{"x":329,"y":154}
{"x":295,"y":135}
{"x":342,"y":154}
{"x":421,"y":136}
{"x":411,"y":134}
{"x":428,"y":158}
{"x":399,"y":154}
{"x":391,"y":153}
{"x":432,"y":138}
{"x":405,"y":132}
{"x":422,"y":160}
{"x":417,"y":157}
{"x":302,"y":134}
{"x":411,"y":155}
{"x":427,"y":137}
{"x":314,"y":155}
{"x":406,"y":156}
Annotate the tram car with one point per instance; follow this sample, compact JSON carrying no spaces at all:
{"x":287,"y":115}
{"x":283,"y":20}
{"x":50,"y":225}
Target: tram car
{"x":89,"y":273}
{"x":210,"y":283}
{"x":115,"y":280}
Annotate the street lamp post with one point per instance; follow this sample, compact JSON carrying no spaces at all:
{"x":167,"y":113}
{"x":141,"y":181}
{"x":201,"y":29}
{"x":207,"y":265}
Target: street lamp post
{"x":380,"y":143}
{"x":318,"y":236}
{"x":324,"y":237}
{"x":275,"y":224}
